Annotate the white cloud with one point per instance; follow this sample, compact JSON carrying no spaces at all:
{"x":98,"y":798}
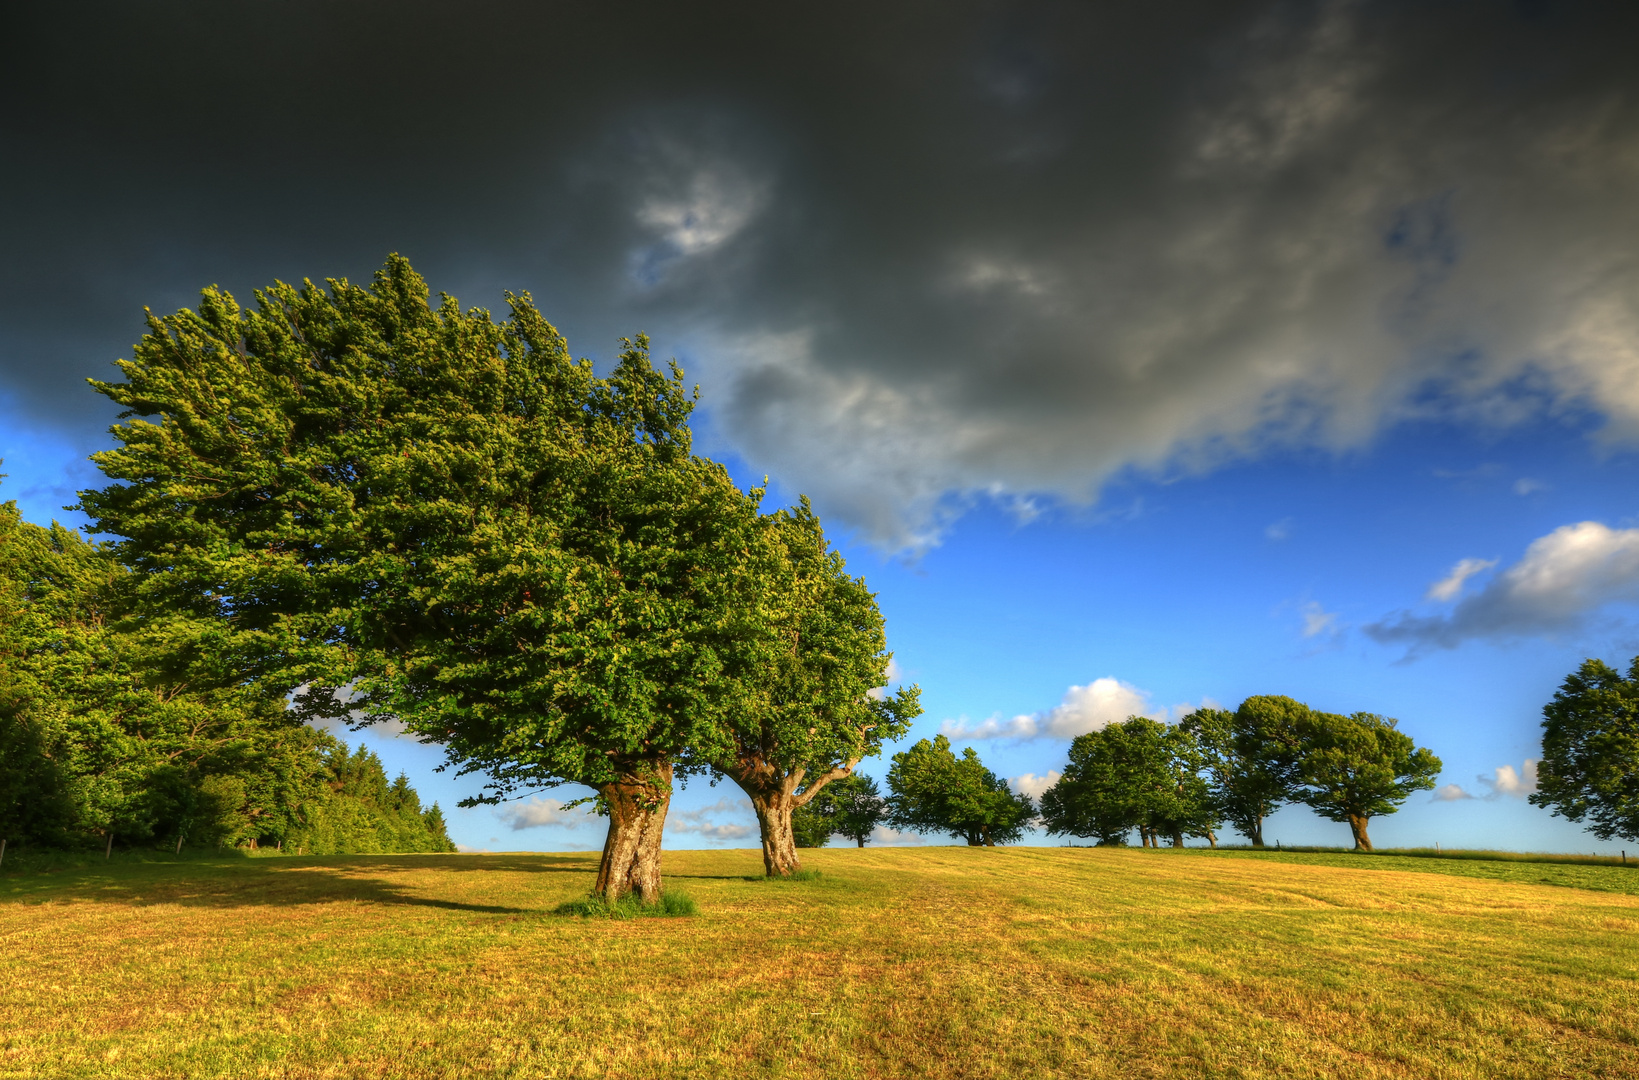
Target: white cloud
{"x":1278,"y":530}
{"x":1032,"y":785}
{"x":1450,"y":793}
{"x":895,"y":674}
{"x":1317,"y":620}
{"x":1562,"y":578}
{"x":702,"y":820}
{"x":538,"y":812}
{"x":1525,"y":486}
{"x":1084,"y":708}
{"x":708,"y":211}
{"x":894,"y":838}
{"x":1448,"y":587}
{"x":1507,"y":782}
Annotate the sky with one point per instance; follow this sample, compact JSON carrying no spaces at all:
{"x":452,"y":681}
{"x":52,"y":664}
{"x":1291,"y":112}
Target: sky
{"x":1139,"y":356}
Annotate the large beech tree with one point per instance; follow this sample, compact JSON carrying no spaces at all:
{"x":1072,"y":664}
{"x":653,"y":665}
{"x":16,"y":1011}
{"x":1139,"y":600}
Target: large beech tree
{"x":815,"y":710}
{"x":455,"y":521}
{"x":1590,"y":751}
{"x":1355,"y":768}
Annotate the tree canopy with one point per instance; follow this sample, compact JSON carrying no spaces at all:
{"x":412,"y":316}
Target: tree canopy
{"x":815,"y":708}
{"x":1251,"y":758}
{"x":1354,"y":768}
{"x":117,"y":726}
{"x":1137,"y":774}
{"x":454,"y":521}
{"x":935,"y":791}
{"x":1589,"y":771}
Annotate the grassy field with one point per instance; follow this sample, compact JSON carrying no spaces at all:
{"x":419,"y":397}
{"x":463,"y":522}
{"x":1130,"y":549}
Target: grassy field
{"x":947,"y":962}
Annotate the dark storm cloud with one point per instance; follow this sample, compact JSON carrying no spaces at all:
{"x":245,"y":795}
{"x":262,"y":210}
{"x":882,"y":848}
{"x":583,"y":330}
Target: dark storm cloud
{"x":916,"y":253}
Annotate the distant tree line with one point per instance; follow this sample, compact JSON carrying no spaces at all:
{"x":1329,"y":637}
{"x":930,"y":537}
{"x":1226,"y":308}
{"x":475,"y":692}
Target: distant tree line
{"x":122,"y":725}
{"x":1217,"y":767}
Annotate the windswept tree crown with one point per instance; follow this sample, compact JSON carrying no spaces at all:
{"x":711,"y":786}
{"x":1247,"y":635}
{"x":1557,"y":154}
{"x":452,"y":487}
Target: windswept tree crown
{"x":445,"y":514}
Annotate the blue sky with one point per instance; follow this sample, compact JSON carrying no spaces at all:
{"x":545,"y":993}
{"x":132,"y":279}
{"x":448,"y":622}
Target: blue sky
{"x":1137,"y":361}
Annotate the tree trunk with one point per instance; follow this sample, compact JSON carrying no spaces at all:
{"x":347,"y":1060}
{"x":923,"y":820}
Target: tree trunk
{"x":1257,"y":831}
{"x":1357,"y":824}
{"x":1212,"y":838}
{"x":861,"y":841}
{"x":637,"y":801}
{"x":774,"y":822}
{"x":1177,"y":839}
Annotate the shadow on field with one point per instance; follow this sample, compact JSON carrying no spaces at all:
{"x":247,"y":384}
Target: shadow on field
{"x":288,"y":881}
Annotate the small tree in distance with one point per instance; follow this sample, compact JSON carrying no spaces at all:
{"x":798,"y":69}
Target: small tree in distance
{"x":933,"y":790}
{"x":1137,"y":774}
{"x":1358,"y":767}
{"x":1251,"y":756}
{"x":860,"y":807}
{"x":852,"y":807}
{"x":1589,"y":769}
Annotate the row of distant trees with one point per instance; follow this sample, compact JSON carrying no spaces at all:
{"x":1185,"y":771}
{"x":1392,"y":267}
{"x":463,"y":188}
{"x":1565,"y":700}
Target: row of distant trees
{"x":115,"y":727}
{"x":1217,"y":768}
{"x":1162,"y":781}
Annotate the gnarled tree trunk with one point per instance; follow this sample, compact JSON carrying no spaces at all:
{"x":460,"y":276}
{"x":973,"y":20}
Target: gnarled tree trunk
{"x":1257,"y":831}
{"x":774,"y":796}
{"x":774,"y":822}
{"x":637,"y":799}
{"x":1357,"y":825}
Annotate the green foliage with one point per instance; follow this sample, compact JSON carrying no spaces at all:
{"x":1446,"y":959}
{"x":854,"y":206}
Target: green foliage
{"x":935,"y":791}
{"x":817,"y":711}
{"x":1138,"y":774}
{"x":852,"y":807}
{"x":1589,"y":771}
{"x":812,"y":823}
{"x":115,"y":723}
{"x":446,"y":514}
{"x":357,"y":812}
{"x":1250,"y":756}
{"x":1358,"y":767}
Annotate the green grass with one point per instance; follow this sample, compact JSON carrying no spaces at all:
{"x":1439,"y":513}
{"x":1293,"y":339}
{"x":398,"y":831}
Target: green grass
{"x":673,"y":902}
{"x":944,"y":962}
{"x":1597,"y":872}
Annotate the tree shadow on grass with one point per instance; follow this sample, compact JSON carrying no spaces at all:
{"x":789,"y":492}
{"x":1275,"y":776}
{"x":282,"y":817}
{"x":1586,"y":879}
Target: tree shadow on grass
{"x":284,"y":882}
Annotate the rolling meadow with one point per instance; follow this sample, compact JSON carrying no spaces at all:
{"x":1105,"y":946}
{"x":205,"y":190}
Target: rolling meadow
{"x":942,"y":962}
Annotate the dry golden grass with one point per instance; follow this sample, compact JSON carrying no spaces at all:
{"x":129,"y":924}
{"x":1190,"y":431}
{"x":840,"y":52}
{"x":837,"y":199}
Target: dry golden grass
{"x":949,"y":962}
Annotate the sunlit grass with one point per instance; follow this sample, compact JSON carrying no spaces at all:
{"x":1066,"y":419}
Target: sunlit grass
{"x":945,"y":962}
